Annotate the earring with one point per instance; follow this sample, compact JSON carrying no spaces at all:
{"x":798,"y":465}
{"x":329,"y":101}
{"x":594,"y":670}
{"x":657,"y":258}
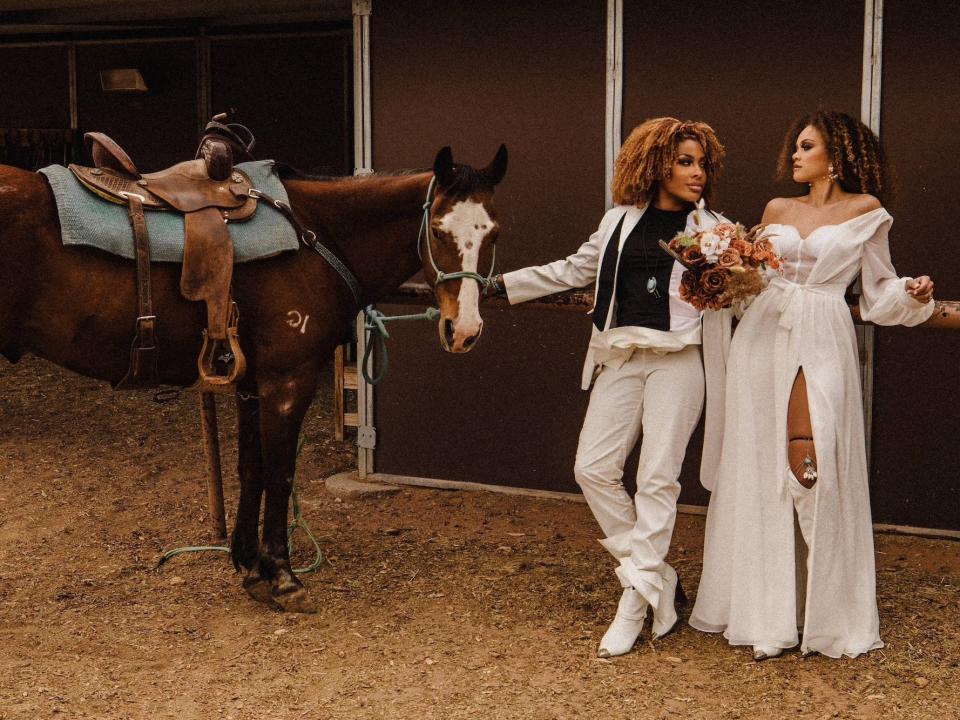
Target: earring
{"x":831,"y":174}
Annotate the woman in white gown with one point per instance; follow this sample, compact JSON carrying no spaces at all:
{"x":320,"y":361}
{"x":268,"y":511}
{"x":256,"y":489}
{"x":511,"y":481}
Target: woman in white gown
{"x":792,"y":433}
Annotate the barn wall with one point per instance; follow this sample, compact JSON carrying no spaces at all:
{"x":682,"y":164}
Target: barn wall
{"x":155,"y":127}
{"x":293,"y":91}
{"x":915,"y":478}
{"x":34,"y":87}
{"x":510,"y":410}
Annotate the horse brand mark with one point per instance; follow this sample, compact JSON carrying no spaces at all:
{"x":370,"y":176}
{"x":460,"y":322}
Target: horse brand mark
{"x":298,"y":321}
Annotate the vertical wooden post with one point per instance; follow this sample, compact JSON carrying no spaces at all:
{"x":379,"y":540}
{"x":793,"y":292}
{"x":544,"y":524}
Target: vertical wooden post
{"x":211,"y":448}
{"x":338,"y":399}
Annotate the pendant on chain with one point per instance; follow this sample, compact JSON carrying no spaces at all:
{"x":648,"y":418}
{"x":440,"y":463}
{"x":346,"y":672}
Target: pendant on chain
{"x":652,"y":287}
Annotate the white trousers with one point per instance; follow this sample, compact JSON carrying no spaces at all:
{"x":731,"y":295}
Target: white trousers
{"x":662,"y":396}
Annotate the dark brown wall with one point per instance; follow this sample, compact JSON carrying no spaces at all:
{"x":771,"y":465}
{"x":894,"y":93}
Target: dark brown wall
{"x":507,"y":413}
{"x":748,"y":69}
{"x":915,"y":477}
{"x":156,"y":127}
{"x":291,"y":92}
{"x":35,"y":107}
{"x":34,"y":87}
{"x":445,"y":73}
{"x":749,"y":79}
{"x":294,"y":92}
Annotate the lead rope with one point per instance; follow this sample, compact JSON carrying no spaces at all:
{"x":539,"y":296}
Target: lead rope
{"x":376,"y":334}
{"x":297,"y":523}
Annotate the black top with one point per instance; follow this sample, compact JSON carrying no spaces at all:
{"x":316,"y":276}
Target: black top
{"x":640,"y":259}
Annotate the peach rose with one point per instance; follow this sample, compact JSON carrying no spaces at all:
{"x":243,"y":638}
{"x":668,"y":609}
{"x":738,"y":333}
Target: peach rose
{"x":729,"y":258}
{"x":727,"y":231}
{"x":763,"y":247}
{"x":742,"y":246}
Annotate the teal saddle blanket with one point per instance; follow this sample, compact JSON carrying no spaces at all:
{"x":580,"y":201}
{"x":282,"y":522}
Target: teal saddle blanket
{"x":86,"y":219}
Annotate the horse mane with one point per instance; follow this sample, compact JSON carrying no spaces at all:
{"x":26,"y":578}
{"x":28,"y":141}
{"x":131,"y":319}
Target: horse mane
{"x":466,"y":180}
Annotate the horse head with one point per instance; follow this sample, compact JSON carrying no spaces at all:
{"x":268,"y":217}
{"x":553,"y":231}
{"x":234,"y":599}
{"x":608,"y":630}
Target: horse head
{"x":459,"y":255}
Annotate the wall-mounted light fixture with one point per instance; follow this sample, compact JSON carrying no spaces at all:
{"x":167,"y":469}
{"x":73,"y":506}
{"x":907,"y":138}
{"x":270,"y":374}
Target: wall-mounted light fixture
{"x":122,"y":80}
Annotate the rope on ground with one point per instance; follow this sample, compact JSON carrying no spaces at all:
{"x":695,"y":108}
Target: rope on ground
{"x":297,"y":523}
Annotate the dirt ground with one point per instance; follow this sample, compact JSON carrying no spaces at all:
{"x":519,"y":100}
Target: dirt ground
{"x":433,"y":604}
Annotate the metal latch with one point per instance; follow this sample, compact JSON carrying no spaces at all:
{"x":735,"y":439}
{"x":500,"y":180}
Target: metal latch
{"x":367,"y":437}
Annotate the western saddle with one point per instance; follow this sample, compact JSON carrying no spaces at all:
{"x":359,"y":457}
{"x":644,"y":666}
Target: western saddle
{"x":209,"y":192}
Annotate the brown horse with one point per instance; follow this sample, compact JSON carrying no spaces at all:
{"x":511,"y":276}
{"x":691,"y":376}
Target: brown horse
{"x":76,"y":307}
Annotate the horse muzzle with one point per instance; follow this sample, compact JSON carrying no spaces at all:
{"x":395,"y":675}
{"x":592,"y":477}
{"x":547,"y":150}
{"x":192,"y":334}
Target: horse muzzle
{"x":457,"y":335}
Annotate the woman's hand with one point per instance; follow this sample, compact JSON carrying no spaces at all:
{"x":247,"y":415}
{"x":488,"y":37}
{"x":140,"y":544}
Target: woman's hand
{"x":920,"y":289}
{"x":496,"y":288}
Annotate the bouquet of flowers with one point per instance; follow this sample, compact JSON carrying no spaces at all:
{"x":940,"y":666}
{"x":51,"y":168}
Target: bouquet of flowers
{"x":723,"y":263}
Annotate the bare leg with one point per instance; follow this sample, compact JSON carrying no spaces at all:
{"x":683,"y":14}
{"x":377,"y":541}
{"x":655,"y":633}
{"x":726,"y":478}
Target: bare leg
{"x":801,"y":452}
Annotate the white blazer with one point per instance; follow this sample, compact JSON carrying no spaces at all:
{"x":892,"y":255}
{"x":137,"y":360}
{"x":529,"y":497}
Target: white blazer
{"x":582,"y":269}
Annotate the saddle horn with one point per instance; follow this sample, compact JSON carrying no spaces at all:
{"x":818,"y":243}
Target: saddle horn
{"x":223,"y":145}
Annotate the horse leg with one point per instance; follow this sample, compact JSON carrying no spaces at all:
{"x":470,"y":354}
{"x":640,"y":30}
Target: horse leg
{"x":245,"y":542}
{"x":283,"y":403}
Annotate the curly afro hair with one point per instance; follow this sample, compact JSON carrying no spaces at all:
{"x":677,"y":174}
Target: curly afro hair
{"x":648,"y":154}
{"x":854,"y":150}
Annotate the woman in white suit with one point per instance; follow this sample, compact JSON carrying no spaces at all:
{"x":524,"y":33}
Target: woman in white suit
{"x":644,"y":359}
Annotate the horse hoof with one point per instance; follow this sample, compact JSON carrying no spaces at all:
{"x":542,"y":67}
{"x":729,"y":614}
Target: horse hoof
{"x":297,"y":601}
{"x":258,"y":588}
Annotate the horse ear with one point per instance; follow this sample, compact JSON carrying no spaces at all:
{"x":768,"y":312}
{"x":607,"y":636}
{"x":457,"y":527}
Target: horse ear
{"x":498,"y":168}
{"x":443,"y":167}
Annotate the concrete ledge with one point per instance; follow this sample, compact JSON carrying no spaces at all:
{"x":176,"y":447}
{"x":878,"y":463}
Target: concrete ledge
{"x":346,"y":485}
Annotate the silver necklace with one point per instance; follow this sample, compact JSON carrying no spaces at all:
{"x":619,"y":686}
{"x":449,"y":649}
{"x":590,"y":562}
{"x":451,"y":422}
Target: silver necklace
{"x":652,"y":280}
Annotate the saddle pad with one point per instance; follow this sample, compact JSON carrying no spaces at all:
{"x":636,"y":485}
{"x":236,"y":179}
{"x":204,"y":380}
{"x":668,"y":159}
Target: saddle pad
{"x":85,"y":219}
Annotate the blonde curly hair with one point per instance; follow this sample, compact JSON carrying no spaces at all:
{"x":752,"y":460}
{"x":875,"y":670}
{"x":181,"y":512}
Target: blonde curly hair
{"x":648,"y":154}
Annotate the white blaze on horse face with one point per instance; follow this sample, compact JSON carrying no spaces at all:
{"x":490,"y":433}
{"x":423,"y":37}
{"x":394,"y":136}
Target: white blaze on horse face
{"x":468,"y":223}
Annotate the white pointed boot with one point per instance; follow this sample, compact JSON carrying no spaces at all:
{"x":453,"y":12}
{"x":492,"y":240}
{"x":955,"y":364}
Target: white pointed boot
{"x":805,"y":502}
{"x":765,"y":652}
{"x":671,"y":596}
{"x":626,"y":626}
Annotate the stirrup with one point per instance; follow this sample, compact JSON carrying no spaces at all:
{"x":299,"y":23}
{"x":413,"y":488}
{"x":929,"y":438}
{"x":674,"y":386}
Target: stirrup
{"x":221,"y":362}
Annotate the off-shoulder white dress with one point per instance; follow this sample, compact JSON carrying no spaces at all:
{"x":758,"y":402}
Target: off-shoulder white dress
{"x":752,"y":588}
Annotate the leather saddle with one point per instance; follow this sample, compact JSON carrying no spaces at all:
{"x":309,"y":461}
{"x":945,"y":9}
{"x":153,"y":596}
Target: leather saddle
{"x":209,"y":192}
